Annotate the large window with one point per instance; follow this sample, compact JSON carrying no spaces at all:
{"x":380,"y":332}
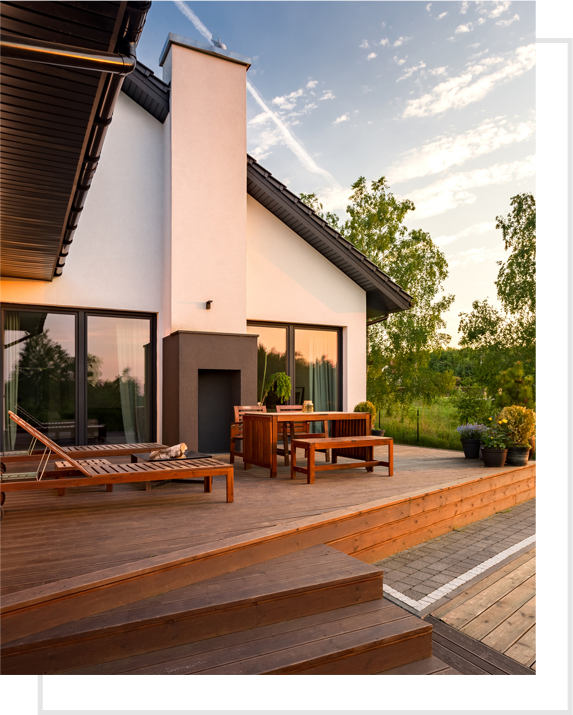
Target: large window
{"x":78,"y":376}
{"x":310,"y":355}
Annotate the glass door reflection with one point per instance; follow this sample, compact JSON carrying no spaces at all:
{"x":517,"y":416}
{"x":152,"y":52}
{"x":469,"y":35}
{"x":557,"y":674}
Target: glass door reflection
{"x":316,"y":368}
{"x":118,"y":380}
{"x":39,"y":376}
{"x":271,"y":358}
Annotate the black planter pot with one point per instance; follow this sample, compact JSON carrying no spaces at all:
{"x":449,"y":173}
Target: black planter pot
{"x":471,"y":448}
{"x":493,"y":457}
{"x":517,"y":456}
{"x":378,"y":432}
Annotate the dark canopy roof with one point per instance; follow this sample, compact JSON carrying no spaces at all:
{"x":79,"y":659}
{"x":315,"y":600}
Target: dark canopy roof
{"x":54,"y":120}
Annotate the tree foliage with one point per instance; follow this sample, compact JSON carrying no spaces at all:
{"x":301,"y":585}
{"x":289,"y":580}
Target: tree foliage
{"x":399,"y":347}
{"x":503,"y":337}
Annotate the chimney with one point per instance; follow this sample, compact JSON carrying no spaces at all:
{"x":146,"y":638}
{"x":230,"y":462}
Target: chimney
{"x":206,"y":151}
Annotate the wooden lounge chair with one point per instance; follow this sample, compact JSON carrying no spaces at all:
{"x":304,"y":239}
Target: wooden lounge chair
{"x":301,"y":431}
{"x":86,"y":451}
{"x":237,"y":427}
{"x":80,"y":474}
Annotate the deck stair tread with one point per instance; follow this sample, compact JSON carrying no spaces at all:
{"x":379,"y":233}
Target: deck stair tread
{"x":312,"y":580}
{"x":365,"y":638}
{"x":468,"y":655}
{"x":425,"y":666}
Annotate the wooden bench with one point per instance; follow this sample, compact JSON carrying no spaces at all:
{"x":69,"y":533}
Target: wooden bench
{"x":365,"y":443}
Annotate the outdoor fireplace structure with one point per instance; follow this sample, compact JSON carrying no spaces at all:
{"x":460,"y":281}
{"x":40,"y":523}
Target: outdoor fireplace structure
{"x":204,"y":376}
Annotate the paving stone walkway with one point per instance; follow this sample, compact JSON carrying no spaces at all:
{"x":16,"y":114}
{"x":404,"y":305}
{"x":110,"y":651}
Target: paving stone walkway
{"x":424,"y":576}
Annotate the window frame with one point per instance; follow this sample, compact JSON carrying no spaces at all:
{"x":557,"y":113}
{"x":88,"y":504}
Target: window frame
{"x":290,"y":347}
{"x":81,"y":348}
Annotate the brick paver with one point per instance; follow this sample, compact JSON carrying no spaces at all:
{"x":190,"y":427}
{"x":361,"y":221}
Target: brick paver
{"x":419,"y":571}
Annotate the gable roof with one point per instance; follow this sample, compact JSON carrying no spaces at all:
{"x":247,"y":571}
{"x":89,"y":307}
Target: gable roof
{"x":383,"y":295}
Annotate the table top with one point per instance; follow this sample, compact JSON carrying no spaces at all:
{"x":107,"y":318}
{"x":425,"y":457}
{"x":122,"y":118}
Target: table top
{"x":308,"y":416}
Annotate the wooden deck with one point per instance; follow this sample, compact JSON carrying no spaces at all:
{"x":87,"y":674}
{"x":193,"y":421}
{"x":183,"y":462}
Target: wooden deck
{"x":90,"y":549}
{"x":498,"y":613}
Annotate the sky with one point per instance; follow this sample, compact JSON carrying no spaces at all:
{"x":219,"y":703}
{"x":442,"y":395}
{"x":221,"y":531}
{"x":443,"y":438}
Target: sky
{"x":437,"y":97}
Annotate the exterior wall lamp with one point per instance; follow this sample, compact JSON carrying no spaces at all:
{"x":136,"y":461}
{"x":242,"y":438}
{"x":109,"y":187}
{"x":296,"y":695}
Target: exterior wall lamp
{"x":208,"y":305}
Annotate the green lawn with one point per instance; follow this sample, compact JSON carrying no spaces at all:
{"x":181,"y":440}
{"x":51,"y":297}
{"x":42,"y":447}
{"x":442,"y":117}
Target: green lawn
{"x":437,"y":426}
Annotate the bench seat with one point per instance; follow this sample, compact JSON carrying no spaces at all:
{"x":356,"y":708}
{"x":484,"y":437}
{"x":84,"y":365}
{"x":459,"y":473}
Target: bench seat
{"x":354,"y":447}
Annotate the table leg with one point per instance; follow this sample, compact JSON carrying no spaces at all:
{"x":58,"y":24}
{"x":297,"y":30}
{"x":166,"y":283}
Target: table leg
{"x":285,"y":430}
{"x":109,"y":487}
{"x":390,"y":458}
{"x":62,"y":490}
{"x":208,"y":484}
{"x":310,"y":464}
{"x":370,"y":453}
{"x":274,"y":438}
{"x":293,"y":463}
{"x":230,"y":486}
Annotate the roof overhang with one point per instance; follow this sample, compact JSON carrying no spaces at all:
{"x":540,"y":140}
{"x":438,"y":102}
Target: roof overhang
{"x":383,"y":295}
{"x":57,"y":104}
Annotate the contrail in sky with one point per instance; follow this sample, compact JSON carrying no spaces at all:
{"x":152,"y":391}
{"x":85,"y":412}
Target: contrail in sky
{"x":293,"y":144}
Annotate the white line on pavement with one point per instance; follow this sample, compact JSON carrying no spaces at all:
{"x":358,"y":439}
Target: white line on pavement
{"x":459,"y":580}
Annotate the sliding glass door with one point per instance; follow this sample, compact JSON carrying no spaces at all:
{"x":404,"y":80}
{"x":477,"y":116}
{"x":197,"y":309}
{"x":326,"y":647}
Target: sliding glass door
{"x":310,"y":355}
{"x":78,"y":376}
{"x":39,"y":376}
{"x":118,"y":381}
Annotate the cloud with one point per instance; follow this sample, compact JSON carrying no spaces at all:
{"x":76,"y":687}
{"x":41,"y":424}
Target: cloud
{"x":399,"y":62}
{"x":401,"y":40}
{"x":474,"y":46}
{"x":442,"y":15}
{"x":464,"y":7}
{"x":327,"y":95}
{"x":464,"y":28}
{"x":428,"y":6}
{"x":493,"y":9}
{"x":311,"y":84}
{"x":410,"y":71}
{"x":383,"y":25}
{"x":458,"y":92}
{"x":455,"y":190}
{"x":438,"y":71}
{"x":283,"y":135}
{"x":477,"y":228}
{"x":371,"y":56}
{"x":343,"y":118}
{"x":288,"y":101}
{"x":506,"y":23}
{"x":476,"y":255}
{"x":385,"y":42}
{"x":364,"y":45}
{"x":445,"y":152}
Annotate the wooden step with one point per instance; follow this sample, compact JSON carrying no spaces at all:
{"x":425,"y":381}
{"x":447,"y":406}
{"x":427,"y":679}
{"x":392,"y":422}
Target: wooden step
{"x":306,"y":582}
{"x":362,"y":639}
{"x":426,"y":666}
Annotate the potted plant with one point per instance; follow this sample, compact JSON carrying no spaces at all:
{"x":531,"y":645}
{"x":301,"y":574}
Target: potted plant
{"x":281,"y":383}
{"x":470,"y":436}
{"x":369,"y":407}
{"x":520,"y":428}
{"x":494,"y":443}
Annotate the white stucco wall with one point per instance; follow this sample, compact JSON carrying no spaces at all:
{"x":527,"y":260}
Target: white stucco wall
{"x":289,"y":281}
{"x":115,"y":261}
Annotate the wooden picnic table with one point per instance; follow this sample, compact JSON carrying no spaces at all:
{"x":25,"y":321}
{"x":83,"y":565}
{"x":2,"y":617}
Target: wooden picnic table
{"x":261,"y":431}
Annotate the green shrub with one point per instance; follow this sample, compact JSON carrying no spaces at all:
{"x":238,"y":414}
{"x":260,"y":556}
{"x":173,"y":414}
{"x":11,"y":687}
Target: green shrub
{"x":366,"y":407}
{"x":520,"y":424}
{"x":472,"y":405}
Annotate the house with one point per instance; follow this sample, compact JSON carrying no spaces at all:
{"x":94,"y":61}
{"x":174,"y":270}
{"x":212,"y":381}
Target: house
{"x":153,"y":274}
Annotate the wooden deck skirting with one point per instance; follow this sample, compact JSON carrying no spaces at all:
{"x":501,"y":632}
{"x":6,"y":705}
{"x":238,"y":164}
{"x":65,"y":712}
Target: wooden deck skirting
{"x":367,"y":531}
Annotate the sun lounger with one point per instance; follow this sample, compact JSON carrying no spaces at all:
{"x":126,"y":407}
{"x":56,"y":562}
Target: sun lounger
{"x":90,"y":472}
{"x":86,"y":451}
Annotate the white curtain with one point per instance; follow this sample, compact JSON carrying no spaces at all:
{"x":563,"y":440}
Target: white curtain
{"x":322,"y":366}
{"x":129,"y":355}
{"x":11,"y":371}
